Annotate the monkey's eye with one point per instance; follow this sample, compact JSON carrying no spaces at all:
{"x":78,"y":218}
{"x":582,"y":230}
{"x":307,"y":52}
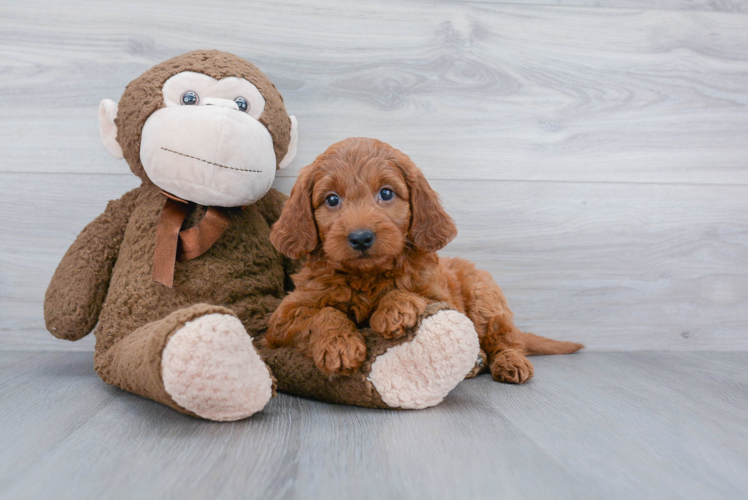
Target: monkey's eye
{"x":332,"y":200}
{"x":242,"y":103}
{"x":189,"y":98}
{"x":386,"y":194}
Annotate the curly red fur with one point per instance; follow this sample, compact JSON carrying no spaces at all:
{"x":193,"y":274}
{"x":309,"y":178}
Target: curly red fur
{"x":388,"y":285}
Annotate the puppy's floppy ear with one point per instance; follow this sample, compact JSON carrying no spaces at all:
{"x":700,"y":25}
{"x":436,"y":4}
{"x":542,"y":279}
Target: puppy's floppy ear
{"x":295,"y":233}
{"x":431,"y":228}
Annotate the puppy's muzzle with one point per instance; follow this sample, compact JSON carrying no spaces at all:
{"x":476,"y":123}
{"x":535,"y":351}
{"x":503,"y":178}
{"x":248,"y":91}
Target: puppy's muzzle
{"x":361,"y":240}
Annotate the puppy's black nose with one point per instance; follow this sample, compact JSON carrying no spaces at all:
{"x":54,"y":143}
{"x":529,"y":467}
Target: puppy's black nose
{"x":361,"y":240}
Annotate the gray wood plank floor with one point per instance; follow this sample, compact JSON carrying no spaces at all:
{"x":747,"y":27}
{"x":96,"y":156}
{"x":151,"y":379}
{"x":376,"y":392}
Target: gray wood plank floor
{"x":592,"y":425}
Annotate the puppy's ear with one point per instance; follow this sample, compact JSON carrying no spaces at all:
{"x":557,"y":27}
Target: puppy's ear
{"x":431,"y":228}
{"x":295,"y":233}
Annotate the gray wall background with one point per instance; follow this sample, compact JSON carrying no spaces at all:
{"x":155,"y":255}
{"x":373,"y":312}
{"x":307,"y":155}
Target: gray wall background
{"x":593,"y":153}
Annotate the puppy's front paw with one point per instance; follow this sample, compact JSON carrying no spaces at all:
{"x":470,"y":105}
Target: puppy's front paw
{"x":339,"y":352}
{"x":511,"y":367}
{"x":394,"y":318}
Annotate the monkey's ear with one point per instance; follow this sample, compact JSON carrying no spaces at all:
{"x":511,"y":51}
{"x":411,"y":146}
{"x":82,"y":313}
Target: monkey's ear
{"x":291,"y":152}
{"x":107,"y":128}
{"x":295,"y":233}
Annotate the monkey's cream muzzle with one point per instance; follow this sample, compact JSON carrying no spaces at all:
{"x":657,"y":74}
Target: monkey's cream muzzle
{"x":212,"y":154}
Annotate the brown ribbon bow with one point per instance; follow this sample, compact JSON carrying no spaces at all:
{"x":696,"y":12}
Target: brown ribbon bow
{"x":172,"y":243}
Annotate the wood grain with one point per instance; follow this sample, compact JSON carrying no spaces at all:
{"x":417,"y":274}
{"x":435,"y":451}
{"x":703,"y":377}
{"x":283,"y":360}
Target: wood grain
{"x":616,"y":266}
{"x":591,"y":425}
{"x":738,"y":6}
{"x":478,"y":91}
{"x":593,"y":153}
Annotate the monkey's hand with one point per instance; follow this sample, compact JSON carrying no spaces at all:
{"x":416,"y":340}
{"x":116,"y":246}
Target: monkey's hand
{"x":76,"y":293}
{"x":398,"y":312}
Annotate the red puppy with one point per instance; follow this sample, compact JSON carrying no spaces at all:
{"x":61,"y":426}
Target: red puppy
{"x":370,"y":225}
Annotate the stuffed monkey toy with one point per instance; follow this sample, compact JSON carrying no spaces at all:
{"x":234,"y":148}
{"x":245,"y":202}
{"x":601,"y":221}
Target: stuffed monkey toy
{"x":180,"y":276}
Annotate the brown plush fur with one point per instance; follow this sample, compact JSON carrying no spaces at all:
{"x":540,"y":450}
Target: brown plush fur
{"x":105,"y":276}
{"x":389,"y":285}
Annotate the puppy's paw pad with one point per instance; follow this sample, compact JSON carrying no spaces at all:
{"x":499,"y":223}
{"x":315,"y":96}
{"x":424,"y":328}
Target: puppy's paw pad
{"x":339,"y":353}
{"x":511,"y":367}
{"x":393,"y":320}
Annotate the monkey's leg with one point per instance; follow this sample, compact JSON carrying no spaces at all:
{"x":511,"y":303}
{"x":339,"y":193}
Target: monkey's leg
{"x":198,"y":360}
{"x":415,"y":371}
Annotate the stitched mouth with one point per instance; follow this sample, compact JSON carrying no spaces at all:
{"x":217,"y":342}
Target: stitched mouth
{"x":211,"y":163}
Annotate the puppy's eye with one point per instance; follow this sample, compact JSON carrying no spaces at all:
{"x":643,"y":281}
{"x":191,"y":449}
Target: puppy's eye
{"x":242,"y":103}
{"x":386,"y":194}
{"x":333,"y":200}
{"x":190,"y":98}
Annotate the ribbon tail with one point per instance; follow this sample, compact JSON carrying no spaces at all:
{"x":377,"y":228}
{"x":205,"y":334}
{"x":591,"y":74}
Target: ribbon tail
{"x":167,"y":240}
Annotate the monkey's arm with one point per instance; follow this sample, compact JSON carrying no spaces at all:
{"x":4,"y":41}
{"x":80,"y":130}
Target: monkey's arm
{"x":77,"y":290}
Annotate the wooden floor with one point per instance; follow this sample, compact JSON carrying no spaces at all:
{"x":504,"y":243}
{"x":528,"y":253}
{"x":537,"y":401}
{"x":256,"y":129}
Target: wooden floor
{"x":592,"y":425}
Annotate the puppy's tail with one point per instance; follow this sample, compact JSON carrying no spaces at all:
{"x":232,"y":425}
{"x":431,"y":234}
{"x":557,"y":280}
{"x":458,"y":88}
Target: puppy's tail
{"x":537,"y":345}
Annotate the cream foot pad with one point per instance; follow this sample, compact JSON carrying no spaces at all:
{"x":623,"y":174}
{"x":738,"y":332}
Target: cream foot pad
{"x":420,"y":373}
{"x":210,"y":367}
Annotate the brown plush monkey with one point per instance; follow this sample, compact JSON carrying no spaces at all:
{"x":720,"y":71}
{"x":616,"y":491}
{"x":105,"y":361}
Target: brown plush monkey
{"x":178,"y":271}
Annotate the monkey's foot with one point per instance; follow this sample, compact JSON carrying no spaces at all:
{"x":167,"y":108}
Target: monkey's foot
{"x":210,"y":367}
{"x":420,"y":373}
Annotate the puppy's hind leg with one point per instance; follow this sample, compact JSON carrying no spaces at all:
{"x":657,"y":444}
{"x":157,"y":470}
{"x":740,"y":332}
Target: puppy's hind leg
{"x":507,"y":348}
{"x":505,"y":351}
{"x":486,"y":306}
{"x":505,"y":345}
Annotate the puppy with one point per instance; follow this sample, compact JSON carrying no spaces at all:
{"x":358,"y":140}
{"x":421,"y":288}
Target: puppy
{"x":370,"y":225}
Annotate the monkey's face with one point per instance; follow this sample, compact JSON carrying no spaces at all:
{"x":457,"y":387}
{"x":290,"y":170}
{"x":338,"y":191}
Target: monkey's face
{"x":207,"y":145}
{"x":205,"y":126}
